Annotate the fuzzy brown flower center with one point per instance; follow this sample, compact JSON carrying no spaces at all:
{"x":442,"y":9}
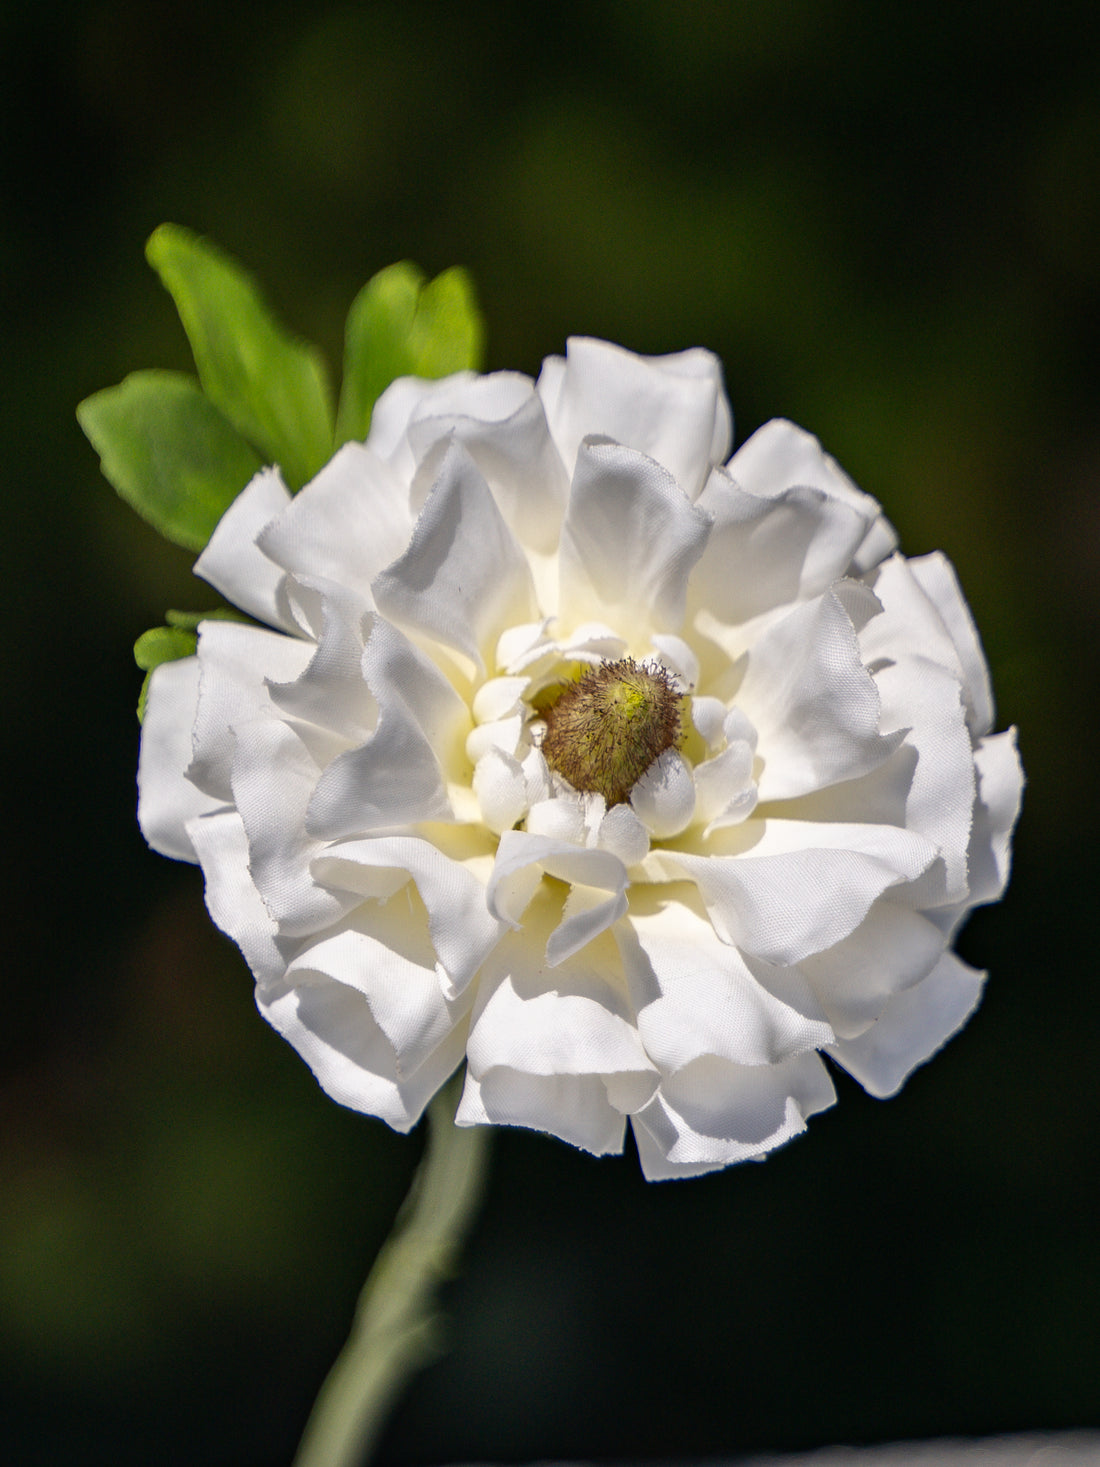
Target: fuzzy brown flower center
{"x":605,"y":730}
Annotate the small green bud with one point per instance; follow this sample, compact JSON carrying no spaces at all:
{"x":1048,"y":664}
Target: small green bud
{"x":605,"y":730}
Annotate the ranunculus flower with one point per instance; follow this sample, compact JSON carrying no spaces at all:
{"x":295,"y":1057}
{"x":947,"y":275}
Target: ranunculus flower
{"x":636,"y":778}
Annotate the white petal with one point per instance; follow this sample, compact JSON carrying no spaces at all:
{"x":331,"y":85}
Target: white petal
{"x":714,"y":1113}
{"x":779,"y":456}
{"x":521,"y":855}
{"x":346,"y":524}
{"x":231,"y":896}
{"x":463,"y":577}
{"x":1000,"y":790}
{"x":725,"y":791}
{"x":621,"y":832}
{"x":461,"y":929}
{"x":912,"y":1028}
{"x":403,"y":400}
{"x":397,"y":776}
{"x":273,"y":777}
{"x":332,"y":1027}
{"x":501,"y":790}
{"x":814,"y":704}
{"x":664,"y":798}
{"x":671,"y":408}
{"x":332,"y":691}
{"x":167,"y":799}
{"x":696,"y":996}
{"x":234,"y":564}
{"x":237,"y":663}
{"x":892,"y":949}
{"x":546,"y":1049}
{"x":803,"y":886}
{"x":630,"y":539}
{"x":936,"y":577}
{"x":500,"y":421}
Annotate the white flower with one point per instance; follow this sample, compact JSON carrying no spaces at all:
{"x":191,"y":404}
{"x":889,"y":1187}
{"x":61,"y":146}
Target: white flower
{"x":410,"y":881}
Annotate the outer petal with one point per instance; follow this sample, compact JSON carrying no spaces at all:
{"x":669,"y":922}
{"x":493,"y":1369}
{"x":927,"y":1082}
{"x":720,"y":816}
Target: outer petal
{"x":231,"y":896}
{"x":672,"y":408}
{"x":770,"y":551}
{"x":629,"y":542}
{"x":234,"y":564}
{"x":1000,"y":790}
{"x":780,"y":456}
{"x":237,"y":663}
{"x":274,"y":775}
{"x":936,"y":577}
{"x":346,"y":524}
{"x":167,"y":800}
{"x":562,"y":1054}
{"x":803,"y":886}
{"x":814,"y":704}
{"x":696,"y":996}
{"x":332,"y":1027}
{"x":463,"y":576}
{"x":912,"y":1028}
{"x":714,"y":1113}
{"x":892,"y":949}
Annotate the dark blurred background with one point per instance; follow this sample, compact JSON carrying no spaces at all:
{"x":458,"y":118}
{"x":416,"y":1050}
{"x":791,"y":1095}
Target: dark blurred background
{"x":886,"y":219}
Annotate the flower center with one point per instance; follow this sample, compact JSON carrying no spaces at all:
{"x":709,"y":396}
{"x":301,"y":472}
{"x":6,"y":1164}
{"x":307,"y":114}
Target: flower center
{"x":605,"y":730}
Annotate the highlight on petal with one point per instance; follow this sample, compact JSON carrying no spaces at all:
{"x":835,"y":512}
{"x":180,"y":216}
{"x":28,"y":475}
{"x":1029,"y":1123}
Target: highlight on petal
{"x":234,"y":564}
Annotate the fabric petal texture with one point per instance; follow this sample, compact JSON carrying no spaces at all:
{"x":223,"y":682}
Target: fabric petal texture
{"x":644,"y":781}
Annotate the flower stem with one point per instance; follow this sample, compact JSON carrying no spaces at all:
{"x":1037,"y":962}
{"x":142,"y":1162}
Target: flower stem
{"x":397,"y":1326}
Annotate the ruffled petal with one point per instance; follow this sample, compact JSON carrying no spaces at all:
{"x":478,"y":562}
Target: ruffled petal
{"x":714,"y":1113}
{"x":1000,"y":791}
{"x":346,"y":524}
{"x":814,"y":704}
{"x":937,"y":579}
{"x":461,"y":928}
{"x":629,"y":542}
{"x":672,"y":408}
{"x":802,"y":886}
{"x":331,"y":1025}
{"x":893,"y":948}
{"x":500,"y":421}
{"x":558,"y":1055}
{"x":913,"y":1026}
{"x":462,"y":577}
{"x":167,"y":799}
{"x":696,"y":996}
{"x":232,"y":900}
{"x":233,"y":562}
{"x":598,"y":878}
{"x":237,"y":663}
{"x":274,"y":775}
{"x":398,"y":776}
{"x":780,"y":456}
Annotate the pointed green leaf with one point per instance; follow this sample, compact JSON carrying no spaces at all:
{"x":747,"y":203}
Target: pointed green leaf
{"x":400,"y":326}
{"x":168,"y":452}
{"x":270,"y":385}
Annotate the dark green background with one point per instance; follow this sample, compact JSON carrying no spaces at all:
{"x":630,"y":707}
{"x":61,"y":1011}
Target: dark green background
{"x":885,"y":219}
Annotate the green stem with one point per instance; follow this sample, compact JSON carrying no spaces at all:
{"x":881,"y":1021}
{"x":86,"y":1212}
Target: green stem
{"x":396,"y":1329}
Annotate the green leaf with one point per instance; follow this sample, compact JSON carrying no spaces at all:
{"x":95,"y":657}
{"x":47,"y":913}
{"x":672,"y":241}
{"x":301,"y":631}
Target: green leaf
{"x":398,"y":326}
{"x":168,"y":452}
{"x":270,"y":385}
{"x":161,"y":644}
{"x":189,"y":620}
